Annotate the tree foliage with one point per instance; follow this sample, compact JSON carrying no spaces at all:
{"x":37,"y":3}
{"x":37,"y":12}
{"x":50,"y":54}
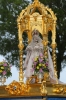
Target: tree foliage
{"x":9,"y":11}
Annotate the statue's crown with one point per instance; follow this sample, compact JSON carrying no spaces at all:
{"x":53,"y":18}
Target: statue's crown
{"x":35,"y":32}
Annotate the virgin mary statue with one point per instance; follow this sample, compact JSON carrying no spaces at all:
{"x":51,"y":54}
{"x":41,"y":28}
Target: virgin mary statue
{"x":33,"y":50}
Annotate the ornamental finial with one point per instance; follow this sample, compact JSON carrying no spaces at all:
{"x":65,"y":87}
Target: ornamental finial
{"x":36,"y":0}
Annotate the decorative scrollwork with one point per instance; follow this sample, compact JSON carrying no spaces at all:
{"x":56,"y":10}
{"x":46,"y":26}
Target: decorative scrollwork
{"x":16,"y":88}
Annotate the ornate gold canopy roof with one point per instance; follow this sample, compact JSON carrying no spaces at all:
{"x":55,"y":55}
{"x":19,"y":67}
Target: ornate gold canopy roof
{"x":36,"y":16}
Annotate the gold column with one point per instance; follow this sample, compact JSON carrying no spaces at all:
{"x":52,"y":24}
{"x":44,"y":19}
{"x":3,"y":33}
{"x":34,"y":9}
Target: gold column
{"x":54,"y":50}
{"x":45,"y":37}
{"x":44,"y":25}
{"x":54,"y":33}
{"x":20,"y":54}
{"x":21,"y":62}
{"x":29,"y":36}
{"x":45,"y":43}
{"x":54,"y":61}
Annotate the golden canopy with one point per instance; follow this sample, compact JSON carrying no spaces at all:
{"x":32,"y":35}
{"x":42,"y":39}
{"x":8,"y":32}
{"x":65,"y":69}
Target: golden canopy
{"x":40,"y":17}
{"x":37,"y":16}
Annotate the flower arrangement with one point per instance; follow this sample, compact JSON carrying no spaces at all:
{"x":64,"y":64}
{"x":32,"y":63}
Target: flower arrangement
{"x":40,"y":64}
{"x":5,"y":69}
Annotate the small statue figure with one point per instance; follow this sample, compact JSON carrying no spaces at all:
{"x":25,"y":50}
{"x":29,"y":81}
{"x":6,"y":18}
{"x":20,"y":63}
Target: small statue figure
{"x":34,"y":48}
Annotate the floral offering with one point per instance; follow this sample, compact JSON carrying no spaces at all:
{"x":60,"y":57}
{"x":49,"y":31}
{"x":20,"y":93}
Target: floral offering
{"x":5,"y":69}
{"x":40,"y":64}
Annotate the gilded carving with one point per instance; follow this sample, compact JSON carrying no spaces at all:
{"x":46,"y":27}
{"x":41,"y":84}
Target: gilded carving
{"x":16,"y":88}
{"x":43,"y":21}
{"x":29,"y":20}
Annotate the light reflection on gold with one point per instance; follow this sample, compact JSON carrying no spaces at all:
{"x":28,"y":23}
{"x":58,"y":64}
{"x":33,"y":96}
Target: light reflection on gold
{"x":16,"y":88}
{"x":58,"y":88}
{"x":43,"y":88}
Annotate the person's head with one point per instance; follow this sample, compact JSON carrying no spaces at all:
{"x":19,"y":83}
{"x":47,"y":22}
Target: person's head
{"x":35,"y":32}
{"x":35,"y":35}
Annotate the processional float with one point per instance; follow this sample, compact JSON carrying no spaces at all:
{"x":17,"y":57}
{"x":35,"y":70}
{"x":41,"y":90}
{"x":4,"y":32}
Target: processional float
{"x":40,"y":17}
